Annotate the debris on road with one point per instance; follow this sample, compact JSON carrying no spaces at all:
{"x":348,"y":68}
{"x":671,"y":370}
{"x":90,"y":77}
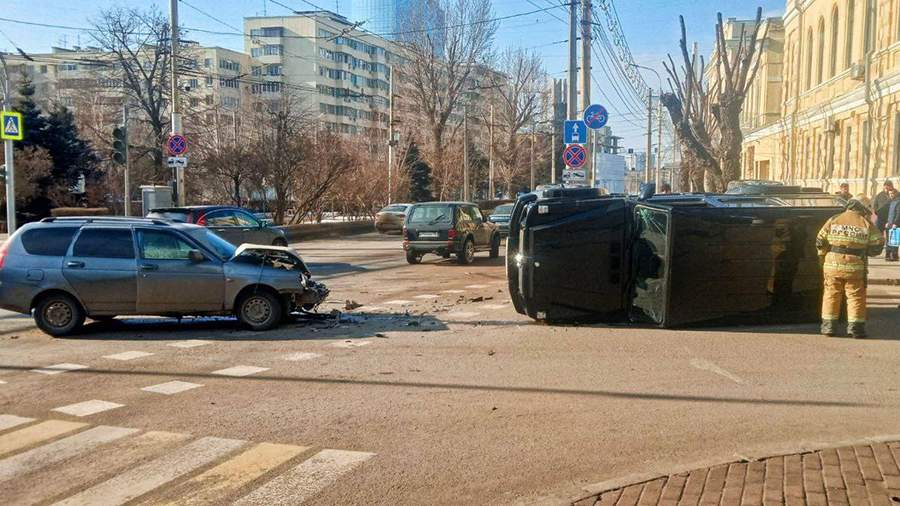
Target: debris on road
{"x":350,"y":305}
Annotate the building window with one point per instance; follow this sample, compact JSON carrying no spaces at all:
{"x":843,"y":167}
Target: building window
{"x":273,"y":70}
{"x":820,"y":69}
{"x":229,"y":65}
{"x":269,"y":31}
{"x":193,"y":83}
{"x":256,"y":70}
{"x":870,"y":17}
{"x":209,"y":82}
{"x":194,"y":101}
{"x":207,"y":62}
{"x":231,"y":102}
{"x":848,"y":36}
{"x":848,"y":146}
{"x":809,"y":59}
{"x":267,"y":50}
{"x":228,"y":83}
{"x":865,"y":152}
{"x":68,"y":67}
{"x":832,"y":65}
{"x":266,"y":88}
{"x":43,"y":69}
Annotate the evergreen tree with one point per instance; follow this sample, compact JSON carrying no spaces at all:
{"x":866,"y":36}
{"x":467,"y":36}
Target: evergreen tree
{"x":33,"y":121}
{"x":419,"y":175}
{"x":72,"y":155}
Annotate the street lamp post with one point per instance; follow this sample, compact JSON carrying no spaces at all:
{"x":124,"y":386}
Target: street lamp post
{"x":8,"y":154}
{"x":658,"y":127}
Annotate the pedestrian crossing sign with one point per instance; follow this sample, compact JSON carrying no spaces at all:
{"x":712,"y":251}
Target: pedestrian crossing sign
{"x":12,"y":126}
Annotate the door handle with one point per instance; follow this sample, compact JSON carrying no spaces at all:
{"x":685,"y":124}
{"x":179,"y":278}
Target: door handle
{"x":72,"y":264}
{"x":149,"y":267}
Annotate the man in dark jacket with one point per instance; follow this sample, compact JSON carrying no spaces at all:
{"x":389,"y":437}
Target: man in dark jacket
{"x":880,"y":202}
{"x":892,"y":222}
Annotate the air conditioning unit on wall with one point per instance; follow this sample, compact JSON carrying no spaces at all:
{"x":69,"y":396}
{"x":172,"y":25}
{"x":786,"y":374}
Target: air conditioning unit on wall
{"x":858,"y":71}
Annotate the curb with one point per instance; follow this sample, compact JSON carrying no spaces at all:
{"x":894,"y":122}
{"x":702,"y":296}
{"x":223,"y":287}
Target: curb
{"x":598,"y":488}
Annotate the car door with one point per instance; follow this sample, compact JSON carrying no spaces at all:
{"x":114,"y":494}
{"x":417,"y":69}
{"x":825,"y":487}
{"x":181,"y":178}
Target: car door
{"x":481,"y":231}
{"x":224,"y":223}
{"x":101,"y":268}
{"x":252,"y":230}
{"x":170,"y":282}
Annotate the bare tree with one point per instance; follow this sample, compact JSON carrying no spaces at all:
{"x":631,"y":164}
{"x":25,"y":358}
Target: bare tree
{"x":137,"y":42}
{"x":707,"y":115}
{"x":442,"y":52}
{"x":516,"y":95}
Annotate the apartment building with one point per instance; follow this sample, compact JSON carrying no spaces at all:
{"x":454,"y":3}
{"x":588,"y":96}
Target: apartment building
{"x":839,"y":116}
{"x":339,"y":74}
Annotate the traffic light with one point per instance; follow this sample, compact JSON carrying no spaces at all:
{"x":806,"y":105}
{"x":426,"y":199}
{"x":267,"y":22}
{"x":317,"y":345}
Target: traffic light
{"x":120,"y":145}
{"x":2,"y":173}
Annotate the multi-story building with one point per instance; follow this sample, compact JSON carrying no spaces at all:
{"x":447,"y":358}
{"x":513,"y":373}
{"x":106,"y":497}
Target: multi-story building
{"x":839,"y":116}
{"x":338,"y":73}
{"x":381,"y":16}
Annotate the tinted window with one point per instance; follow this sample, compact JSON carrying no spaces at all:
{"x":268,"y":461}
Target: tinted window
{"x":245,"y":220}
{"x":474,"y":214}
{"x":430,"y":214}
{"x":179,"y":216}
{"x":159,"y":245}
{"x":52,"y":241}
{"x":104,"y":243}
{"x":221,"y":219}
{"x":504,"y":209}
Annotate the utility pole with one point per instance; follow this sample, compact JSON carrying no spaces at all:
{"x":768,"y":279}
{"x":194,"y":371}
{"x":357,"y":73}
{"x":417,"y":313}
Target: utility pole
{"x":176,"y":105}
{"x":649,"y":157}
{"x":532,"y":155}
{"x":8,"y":154}
{"x":586,"y":77}
{"x":659,"y":122}
{"x":390,"y":143}
{"x":491,"y":157}
{"x":127,"y":175}
{"x":573,"y":59}
{"x":465,"y":153}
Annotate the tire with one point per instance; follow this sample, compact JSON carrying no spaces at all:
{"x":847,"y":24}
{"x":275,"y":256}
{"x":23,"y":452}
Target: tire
{"x":467,"y":255}
{"x":412,"y":258}
{"x":58,"y":314}
{"x":259,"y":310}
{"x":495,"y":246}
{"x":279,"y":242}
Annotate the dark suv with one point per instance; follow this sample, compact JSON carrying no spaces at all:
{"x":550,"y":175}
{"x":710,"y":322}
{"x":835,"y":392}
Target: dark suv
{"x":66,"y":269}
{"x":234,"y":224}
{"x":445,"y":228}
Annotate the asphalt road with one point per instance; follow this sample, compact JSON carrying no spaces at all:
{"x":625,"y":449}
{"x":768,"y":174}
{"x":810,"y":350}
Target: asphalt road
{"x":434,"y":391}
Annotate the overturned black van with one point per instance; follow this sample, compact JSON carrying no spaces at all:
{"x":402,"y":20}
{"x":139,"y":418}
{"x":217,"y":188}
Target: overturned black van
{"x":668,"y":260}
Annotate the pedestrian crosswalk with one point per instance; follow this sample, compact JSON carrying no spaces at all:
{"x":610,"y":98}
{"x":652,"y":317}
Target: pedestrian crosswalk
{"x":79,"y":464}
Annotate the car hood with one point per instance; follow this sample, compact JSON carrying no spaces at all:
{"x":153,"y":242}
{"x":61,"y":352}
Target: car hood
{"x":243,"y":248}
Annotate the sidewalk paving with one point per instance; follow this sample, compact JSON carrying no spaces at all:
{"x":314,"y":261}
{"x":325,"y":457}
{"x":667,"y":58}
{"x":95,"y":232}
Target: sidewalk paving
{"x":860,"y":474}
{"x":882,"y":272}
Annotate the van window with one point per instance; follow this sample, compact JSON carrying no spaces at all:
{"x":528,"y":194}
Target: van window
{"x":51,"y":241}
{"x":104,"y":243}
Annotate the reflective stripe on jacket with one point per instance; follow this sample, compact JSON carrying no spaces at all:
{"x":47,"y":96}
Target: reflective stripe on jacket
{"x":849,"y":231}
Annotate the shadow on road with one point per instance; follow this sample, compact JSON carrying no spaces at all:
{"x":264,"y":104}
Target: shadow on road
{"x":597,"y":393}
{"x":355,"y":326}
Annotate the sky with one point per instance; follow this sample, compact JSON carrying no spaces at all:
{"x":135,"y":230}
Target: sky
{"x":650,"y":28}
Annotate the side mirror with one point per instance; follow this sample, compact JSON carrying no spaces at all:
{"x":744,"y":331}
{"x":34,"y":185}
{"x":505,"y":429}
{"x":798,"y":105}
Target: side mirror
{"x":195,"y":256}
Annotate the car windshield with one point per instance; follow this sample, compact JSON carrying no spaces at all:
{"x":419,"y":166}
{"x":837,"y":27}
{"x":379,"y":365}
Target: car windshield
{"x":430,"y":214}
{"x":504,"y":209}
{"x":222,"y":248}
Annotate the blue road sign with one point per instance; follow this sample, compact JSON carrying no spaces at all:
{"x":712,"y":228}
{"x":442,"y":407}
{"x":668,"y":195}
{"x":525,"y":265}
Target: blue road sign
{"x":575,"y":132}
{"x":11,"y":126}
{"x":595,"y":116}
{"x":575,"y":156}
{"x":176,"y":145}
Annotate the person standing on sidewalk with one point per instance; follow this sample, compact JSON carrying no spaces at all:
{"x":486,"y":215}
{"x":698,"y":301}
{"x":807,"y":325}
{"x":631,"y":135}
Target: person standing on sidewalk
{"x":845,"y":192}
{"x":844,"y":244}
{"x":892,"y":222}
{"x":879,"y":205}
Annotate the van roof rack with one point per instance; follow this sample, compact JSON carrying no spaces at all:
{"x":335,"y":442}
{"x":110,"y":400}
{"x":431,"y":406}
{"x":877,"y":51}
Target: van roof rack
{"x":106,"y":219}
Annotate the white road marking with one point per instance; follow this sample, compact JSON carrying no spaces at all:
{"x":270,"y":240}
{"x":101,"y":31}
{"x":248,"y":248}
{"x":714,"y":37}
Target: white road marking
{"x":463,"y":314}
{"x":87,"y":407}
{"x":453,"y":291}
{"x":240,"y":370}
{"x":304,"y":481}
{"x":171,"y":387}
{"x":62,"y":449}
{"x":398,"y":302}
{"x":495,"y":306}
{"x":190,"y":343}
{"x":59,"y":368}
{"x":142,"y":479}
{"x":474,"y":287}
{"x":298,"y":357}
{"x":10,"y":421}
{"x":706,"y":365}
{"x":427,"y":296}
{"x":350,"y":344}
{"x":128,"y":355}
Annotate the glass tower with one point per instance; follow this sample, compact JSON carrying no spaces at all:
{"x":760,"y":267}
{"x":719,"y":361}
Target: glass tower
{"x":381,"y":16}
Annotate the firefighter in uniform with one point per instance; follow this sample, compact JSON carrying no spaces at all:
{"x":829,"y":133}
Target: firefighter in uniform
{"x":844,"y":244}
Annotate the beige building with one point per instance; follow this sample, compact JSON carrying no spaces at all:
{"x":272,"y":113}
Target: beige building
{"x":839,"y":117}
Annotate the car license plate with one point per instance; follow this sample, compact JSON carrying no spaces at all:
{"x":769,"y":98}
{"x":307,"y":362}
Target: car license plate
{"x":428,"y":235}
